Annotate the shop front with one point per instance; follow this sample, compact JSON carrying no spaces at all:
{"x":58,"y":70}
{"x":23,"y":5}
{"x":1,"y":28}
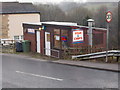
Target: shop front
{"x":52,"y":38}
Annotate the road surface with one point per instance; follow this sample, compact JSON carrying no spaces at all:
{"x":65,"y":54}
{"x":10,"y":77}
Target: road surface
{"x":24,"y":72}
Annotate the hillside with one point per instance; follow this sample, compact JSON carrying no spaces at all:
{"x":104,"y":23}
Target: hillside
{"x":66,"y":6}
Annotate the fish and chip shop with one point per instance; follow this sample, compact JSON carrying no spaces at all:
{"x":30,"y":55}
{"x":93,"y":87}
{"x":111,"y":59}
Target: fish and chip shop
{"x":51,"y":38}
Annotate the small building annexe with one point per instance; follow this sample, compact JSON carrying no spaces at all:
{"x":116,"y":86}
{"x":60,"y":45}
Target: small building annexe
{"x":51,"y":38}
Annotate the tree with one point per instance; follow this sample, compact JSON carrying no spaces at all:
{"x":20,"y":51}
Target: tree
{"x":51,"y":12}
{"x":100,"y":17}
{"x":85,"y":23}
{"x":114,"y":29}
{"x":78,"y":15}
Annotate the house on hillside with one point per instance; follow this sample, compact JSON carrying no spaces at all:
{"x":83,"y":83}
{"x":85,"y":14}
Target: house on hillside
{"x":13,"y":14}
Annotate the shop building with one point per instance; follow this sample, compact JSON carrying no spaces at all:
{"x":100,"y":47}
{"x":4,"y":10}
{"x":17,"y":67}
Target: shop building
{"x":51,"y":38}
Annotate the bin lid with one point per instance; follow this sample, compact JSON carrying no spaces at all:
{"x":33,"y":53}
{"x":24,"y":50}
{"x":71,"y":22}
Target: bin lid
{"x":26,"y":41}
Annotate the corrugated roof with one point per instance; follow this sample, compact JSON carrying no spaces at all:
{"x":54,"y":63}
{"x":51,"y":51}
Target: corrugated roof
{"x":16,"y":7}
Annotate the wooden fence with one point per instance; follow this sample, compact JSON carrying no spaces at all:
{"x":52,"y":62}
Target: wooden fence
{"x":67,"y":53}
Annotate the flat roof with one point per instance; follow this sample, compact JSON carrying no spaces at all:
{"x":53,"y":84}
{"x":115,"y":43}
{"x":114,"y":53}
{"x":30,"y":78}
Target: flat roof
{"x":53,"y":23}
{"x":60,"y":23}
{"x":38,"y":23}
{"x":63,"y":24}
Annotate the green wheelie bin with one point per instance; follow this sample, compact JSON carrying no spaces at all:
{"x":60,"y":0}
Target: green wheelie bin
{"x":26,"y":45}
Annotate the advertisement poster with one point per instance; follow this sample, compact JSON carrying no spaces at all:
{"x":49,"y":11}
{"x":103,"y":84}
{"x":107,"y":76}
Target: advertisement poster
{"x":78,"y":36}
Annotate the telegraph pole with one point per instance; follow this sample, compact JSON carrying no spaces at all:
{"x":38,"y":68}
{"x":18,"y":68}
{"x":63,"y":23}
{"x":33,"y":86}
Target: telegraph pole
{"x":108,"y":19}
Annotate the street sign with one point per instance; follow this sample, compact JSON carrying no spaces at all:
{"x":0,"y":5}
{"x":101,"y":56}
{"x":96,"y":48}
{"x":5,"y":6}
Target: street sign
{"x":109,"y":16}
{"x":108,"y":19}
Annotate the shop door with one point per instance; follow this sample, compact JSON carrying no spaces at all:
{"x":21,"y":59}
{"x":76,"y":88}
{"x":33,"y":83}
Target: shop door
{"x":47,"y":44}
{"x":38,"y":41}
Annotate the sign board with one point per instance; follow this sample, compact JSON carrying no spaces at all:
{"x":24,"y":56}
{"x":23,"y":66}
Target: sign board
{"x":31,"y":31}
{"x":78,"y":36}
{"x":109,"y":17}
{"x":57,"y":37}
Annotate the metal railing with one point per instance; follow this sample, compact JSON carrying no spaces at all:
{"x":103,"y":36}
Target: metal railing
{"x":53,"y":50}
{"x":115,"y":53}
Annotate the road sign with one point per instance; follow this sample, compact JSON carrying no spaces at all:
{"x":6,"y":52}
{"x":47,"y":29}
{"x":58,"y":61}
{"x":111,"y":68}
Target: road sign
{"x":108,"y":19}
{"x":109,"y":16}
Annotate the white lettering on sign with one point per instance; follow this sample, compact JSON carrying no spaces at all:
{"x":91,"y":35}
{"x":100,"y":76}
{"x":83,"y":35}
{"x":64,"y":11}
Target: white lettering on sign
{"x":77,"y":35}
{"x":31,"y":31}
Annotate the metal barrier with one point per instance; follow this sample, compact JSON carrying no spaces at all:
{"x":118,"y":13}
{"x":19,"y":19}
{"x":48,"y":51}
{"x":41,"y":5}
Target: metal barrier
{"x":52,"y":52}
{"x":115,"y":53}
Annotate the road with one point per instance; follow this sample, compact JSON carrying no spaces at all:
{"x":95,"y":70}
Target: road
{"x":24,"y":72}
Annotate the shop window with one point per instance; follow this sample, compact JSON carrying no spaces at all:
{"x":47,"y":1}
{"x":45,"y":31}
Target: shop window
{"x":57,"y":38}
{"x":64,"y":38}
{"x":56,"y":31}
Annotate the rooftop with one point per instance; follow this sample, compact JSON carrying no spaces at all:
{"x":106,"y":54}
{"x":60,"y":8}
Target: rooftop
{"x":16,"y":8}
{"x":62,"y":24}
{"x":54,"y":23}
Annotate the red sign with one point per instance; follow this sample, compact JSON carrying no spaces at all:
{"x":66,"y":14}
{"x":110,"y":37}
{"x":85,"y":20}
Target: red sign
{"x":109,"y":16}
{"x":77,"y":35}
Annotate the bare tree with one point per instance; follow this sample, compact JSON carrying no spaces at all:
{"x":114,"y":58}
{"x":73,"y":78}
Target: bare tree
{"x":78,"y":15}
{"x":50,"y":12}
{"x":114,"y":29}
{"x":100,"y":17}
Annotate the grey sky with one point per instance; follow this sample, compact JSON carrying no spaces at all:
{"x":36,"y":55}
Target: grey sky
{"x":57,"y":1}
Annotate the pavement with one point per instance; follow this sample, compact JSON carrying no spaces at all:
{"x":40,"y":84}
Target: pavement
{"x":92,"y":65}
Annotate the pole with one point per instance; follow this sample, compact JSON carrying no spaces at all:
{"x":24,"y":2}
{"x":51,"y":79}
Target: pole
{"x":107,"y":42}
{"x":118,"y":25}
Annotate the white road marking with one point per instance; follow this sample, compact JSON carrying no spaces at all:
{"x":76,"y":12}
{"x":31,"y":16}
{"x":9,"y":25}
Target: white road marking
{"x":36,"y":75}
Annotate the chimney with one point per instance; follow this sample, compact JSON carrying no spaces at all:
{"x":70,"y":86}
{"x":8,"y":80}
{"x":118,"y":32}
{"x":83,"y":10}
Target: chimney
{"x":90,"y":34}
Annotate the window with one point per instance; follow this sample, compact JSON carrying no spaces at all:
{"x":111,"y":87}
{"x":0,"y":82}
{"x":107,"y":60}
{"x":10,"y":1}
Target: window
{"x":16,"y":37}
{"x":21,"y":37}
{"x":48,"y":37}
{"x":57,"y":38}
{"x":64,"y":37}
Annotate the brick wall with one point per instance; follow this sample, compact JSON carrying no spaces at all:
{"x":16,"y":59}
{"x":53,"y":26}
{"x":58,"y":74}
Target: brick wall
{"x":32,"y":38}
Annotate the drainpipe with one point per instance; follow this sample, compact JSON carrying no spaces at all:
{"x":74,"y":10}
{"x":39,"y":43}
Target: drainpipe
{"x":90,"y":33}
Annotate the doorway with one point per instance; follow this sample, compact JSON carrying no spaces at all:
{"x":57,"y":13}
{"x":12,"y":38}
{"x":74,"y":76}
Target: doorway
{"x":47,"y":44}
{"x":38,"y":41}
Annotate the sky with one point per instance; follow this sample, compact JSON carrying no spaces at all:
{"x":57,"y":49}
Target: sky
{"x":58,"y":1}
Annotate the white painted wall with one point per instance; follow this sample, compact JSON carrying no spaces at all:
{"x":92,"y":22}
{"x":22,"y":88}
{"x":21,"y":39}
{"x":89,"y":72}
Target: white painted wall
{"x":16,"y":20}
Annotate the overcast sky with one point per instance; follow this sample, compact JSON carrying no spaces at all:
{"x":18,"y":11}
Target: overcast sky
{"x":57,"y":1}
